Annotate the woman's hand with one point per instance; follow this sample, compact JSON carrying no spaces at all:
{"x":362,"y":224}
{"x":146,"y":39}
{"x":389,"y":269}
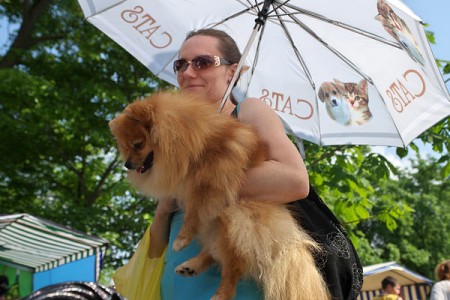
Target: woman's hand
{"x":159,"y":231}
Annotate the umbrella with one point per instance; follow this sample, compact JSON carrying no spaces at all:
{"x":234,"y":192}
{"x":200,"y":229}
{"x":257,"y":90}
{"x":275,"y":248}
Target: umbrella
{"x":337,"y":72}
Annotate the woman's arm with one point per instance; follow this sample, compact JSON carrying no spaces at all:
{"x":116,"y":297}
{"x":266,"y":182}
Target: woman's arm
{"x":283,"y":177}
{"x":159,"y":231}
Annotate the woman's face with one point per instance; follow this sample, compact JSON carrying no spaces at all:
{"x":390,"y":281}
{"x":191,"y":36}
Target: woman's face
{"x":211,"y":82}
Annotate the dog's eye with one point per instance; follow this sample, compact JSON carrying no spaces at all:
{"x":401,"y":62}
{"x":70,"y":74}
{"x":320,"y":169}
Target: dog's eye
{"x":138,"y":146}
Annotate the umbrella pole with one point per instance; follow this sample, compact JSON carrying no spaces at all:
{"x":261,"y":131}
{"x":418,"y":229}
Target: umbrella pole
{"x":259,"y":23}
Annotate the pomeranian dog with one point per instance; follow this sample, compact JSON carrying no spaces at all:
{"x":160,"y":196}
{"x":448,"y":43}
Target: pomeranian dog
{"x":178,"y":146}
{"x":335,"y":103}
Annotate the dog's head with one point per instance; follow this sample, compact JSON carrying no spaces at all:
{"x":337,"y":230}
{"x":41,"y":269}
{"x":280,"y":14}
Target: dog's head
{"x":330,"y":94}
{"x":133,"y":133}
{"x":163,"y":132}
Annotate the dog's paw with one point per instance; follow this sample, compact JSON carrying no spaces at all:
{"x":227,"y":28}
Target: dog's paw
{"x":179,"y":244}
{"x":220,"y":297}
{"x":185,"y":270}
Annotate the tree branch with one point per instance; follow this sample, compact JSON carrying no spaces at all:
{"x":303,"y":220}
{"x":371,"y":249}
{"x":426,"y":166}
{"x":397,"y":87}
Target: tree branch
{"x":96,"y":193}
{"x":24,"y":39}
{"x":327,"y":154}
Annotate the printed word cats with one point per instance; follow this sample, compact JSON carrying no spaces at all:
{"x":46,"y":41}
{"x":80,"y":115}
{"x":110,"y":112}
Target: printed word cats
{"x":299,"y":108}
{"x":146,"y":25}
{"x":404,"y":90}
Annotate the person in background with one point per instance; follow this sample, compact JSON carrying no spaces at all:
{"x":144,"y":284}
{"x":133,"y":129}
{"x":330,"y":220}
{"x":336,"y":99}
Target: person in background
{"x":390,"y":289}
{"x":441,"y":289}
{"x":4,"y":287}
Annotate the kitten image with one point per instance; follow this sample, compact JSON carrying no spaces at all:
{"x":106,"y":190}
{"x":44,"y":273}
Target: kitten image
{"x":397,"y":28}
{"x":357,"y":98}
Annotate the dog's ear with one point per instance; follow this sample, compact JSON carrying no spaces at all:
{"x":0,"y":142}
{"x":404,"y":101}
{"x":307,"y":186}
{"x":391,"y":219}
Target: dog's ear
{"x":142,"y":112}
{"x":337,"y":81}
{"x":339,"y":84}
{"x":114,"y":124}
{"x":321,"y":93}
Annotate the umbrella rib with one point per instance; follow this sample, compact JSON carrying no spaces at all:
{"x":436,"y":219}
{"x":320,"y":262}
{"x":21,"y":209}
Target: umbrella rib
{"x":336,"y":52}
{"x":342,"y":25}
{"x":105,"y":9}
{"x":238,"y":13}
{"x":294,"y":47}
{"x":217,"y":24}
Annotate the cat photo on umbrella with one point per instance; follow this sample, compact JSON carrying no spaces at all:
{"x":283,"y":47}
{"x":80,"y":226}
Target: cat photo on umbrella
{"x":397,"y":28}
{"x":346,"y":103}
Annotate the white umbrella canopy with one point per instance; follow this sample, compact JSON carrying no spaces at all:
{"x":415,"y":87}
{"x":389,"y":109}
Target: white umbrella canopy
{"x":338,"y":72}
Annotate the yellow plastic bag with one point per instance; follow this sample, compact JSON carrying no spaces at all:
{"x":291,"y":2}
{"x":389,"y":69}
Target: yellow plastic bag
{"x":140,"y":278}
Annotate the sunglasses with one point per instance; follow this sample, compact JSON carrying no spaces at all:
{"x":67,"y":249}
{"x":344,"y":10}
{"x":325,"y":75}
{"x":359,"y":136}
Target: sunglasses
{"x":200,"y":62}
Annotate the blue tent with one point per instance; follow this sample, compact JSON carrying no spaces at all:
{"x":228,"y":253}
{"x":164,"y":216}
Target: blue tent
{"x":50,"y":252}
{"x":414,"y":285}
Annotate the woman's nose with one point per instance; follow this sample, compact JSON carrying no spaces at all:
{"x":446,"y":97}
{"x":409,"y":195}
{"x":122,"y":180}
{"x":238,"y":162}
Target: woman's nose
{"x":190,"y":71}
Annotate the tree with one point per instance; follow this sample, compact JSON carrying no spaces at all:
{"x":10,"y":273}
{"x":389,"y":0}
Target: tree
{"x":60,"y":83}
{"x":420,"y":239}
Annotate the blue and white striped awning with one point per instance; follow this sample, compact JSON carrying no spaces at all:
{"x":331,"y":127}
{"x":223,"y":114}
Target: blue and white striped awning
{"x":414,"y":285}
{"x":37,"y":244}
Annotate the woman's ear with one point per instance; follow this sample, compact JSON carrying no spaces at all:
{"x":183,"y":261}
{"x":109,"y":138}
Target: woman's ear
{"x":233,"y":70}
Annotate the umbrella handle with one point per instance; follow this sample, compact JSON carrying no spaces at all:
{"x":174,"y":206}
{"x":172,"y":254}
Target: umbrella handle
{"x":259,"y":23}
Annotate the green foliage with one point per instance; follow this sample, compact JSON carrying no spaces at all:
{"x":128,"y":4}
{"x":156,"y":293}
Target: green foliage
{"x":419,"y":238}
{"x":58,"y":158}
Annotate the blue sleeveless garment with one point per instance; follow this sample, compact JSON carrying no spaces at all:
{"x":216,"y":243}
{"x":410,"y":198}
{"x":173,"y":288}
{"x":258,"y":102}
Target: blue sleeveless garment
{"x":204,"y":285}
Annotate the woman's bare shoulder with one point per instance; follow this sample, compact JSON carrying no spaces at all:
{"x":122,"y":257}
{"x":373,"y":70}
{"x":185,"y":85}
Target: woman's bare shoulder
{"x":252,"y":110}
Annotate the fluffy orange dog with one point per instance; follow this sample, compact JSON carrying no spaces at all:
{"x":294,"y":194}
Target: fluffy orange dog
{"x":177,"y":146}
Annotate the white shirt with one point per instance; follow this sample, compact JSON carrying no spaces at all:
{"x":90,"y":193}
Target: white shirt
{"x":441,"y":290}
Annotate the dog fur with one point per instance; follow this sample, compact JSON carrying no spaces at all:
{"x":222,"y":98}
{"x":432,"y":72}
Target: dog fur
{"x":179,"y":146}
{"x":335,"y":103}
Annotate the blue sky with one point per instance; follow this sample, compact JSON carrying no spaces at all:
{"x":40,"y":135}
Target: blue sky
{"x":436,"y":14}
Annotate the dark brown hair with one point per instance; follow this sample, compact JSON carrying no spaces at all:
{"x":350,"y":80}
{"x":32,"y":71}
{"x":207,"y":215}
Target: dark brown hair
{"x":227,"y":45}
{"x":388,"y":281}
{"x":443,"y":270}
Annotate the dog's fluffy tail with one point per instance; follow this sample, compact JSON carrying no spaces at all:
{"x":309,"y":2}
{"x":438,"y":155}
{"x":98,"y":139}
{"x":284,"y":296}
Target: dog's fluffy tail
{"x":276,"y":251}
{"x":293,"y":275}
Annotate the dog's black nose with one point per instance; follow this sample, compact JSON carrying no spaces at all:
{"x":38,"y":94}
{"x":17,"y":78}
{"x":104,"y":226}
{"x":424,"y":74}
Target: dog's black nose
{"x":128,"y":165}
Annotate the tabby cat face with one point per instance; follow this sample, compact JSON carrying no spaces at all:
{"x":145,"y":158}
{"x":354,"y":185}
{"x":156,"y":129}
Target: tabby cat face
{"x":356,"y":94}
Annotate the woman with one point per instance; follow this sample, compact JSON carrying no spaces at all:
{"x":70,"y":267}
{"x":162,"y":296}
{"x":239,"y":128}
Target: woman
{"x":441,"y":289}
{"x":283,"y":177}
{"x":207,"y":61}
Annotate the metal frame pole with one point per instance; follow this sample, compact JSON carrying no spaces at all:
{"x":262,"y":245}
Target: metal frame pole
{"x":259,"y":22}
